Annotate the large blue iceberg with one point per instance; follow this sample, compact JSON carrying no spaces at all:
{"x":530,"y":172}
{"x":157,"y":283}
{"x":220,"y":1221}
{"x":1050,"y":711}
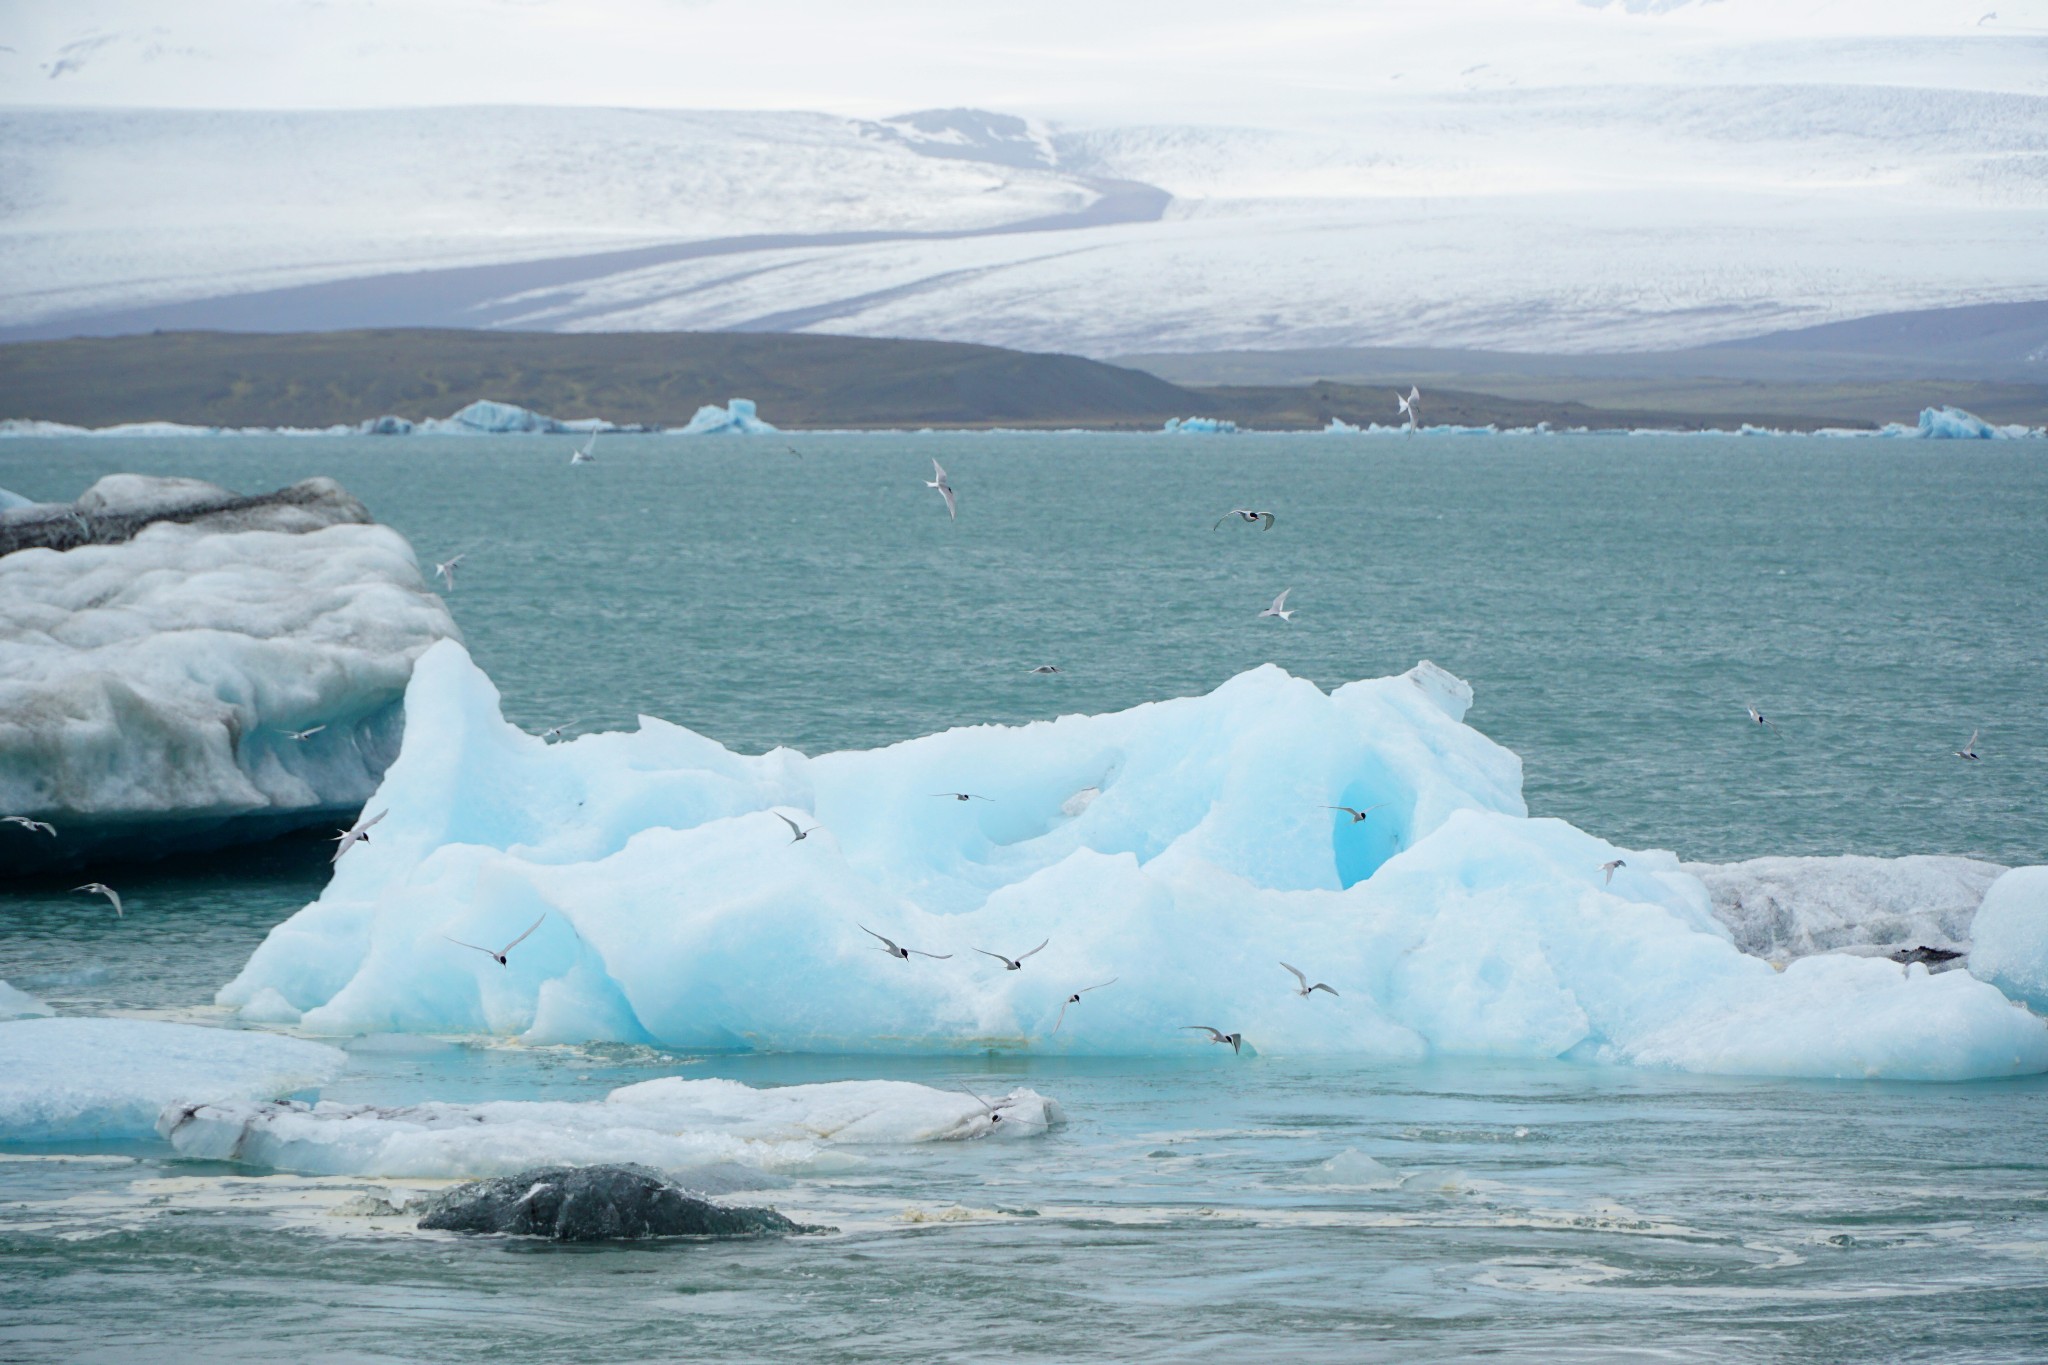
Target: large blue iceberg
{"x":1181,"y":849}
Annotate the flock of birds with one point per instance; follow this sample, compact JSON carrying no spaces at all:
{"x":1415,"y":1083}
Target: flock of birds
{"x":1410,"y":406}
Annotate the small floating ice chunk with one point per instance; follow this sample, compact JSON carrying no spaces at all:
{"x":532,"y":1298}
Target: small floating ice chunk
{"x":1200,"y":426}
{"x":1355,"y":1168}
{"x":2011,"y":936}
{"x":75,"y":1080}
{"x":670,"y":1124}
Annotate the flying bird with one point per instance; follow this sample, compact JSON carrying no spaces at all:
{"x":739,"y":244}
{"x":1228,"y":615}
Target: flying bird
{"x":357,"y":833}
{"x":1075,"y":999}
{"x":102,"y":889}
{"x":1046,"y":668}
{"x":1411,"y":406}
{"x":963,"y":796}
{"x":303,"y":735}
{"x":798,"y":834}
{"x":30,"y":825}
{"x":1013,"y":964}
{"x":1355,"y":813}
{"x":555,"y":732}
{"x":1236,"y":1040}
{"x":1610,"y":869}
{"x":1968,"y":751}
{"x":446,"y":572}
{"x":587,"y":454}
{"x":995,"y":1111}
{"x":1758,"y":717}
{"x":499,"y":954}
{"x":793,"y":450}
{"x":945,"y":490}
{"x":1279,"y":608}
{"x":1306,"y":990}
{"x":1248,"y":516}
{"x":889,"y":947}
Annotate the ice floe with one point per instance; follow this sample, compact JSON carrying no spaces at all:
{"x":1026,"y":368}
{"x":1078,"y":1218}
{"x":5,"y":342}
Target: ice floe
{"x":78,"y":1080}
{"x":150,"y":690}
{"x":670,"y":1124}
{"x":673,"y":906}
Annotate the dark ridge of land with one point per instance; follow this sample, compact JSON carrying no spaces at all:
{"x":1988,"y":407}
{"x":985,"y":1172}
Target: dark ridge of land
{"x":655,"y":378}
{"x":1989,"y":358}
{"x":800,"y":381}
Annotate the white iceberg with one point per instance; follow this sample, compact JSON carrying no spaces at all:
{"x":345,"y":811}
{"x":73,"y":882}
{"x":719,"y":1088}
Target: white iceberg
{"x":2010,"y":948}
{"x":1785,"y":908}
{"x":670,"y":1124}
{"x":1200,"y":426}
{"x":19,"y":1004}
{"x":673,"y":906}
{"x":737,"y":418}
{"x":150,"y":689}
{"x":79,"y":1080}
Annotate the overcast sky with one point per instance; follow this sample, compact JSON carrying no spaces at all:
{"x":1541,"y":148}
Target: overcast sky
{"x":1270,"y":62}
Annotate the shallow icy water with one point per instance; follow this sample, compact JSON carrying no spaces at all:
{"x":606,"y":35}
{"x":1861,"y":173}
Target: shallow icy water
{"x":1615,"y":602}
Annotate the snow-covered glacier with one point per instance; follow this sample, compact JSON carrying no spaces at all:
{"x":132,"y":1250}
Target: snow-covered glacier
{"x":210,"y":675}
{"x":1179,"y":851}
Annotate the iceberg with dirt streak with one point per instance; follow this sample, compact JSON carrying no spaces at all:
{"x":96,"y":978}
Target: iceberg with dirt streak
{"x":1181,"y":850}
{"x":180,"y":666}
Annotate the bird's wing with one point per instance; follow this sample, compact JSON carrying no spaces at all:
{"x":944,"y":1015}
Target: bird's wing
{"x":1346,"y":809}
{"x":1214,"y":1033}
{"x":111,"y":894}
{"x":952,"y":503}
{"x":1022,"y":956}
{"x":363,"y":825}
{"x":891,"y":942}
{"x":1061,"y":1018}
{"x":1097,"y":986}
{"x":997,"y":956}
{"x":1973,"y":740}
{"x":523,"y":937}
{"x":1220,"y":520}
{"x":1319,"y":986}
{"x":936,"y":957}
{"x":794,"y":828}
{"x":976,"y":1098}
{"x":1298,"y":976}
{"x":939,"y":470}
{"x":1269,"y":520}
{"x":1281,"y":600}
{"x":460,"y":944}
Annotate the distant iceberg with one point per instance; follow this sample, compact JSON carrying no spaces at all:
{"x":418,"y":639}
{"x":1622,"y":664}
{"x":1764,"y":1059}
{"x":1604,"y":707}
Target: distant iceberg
{"x":1953,"y":424}
{"x":1200,"y":426}
{"x":735,"y":419}
{"x":1180,"y":847}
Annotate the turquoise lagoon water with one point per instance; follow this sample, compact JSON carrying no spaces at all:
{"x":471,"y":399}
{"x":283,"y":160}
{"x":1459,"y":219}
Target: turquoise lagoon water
{"x":1615,"y":602}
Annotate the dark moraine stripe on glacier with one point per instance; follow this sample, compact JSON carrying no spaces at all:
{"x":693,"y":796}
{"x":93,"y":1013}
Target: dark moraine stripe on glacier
{"x":65,"y":526}
{"x":480,"y":295}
